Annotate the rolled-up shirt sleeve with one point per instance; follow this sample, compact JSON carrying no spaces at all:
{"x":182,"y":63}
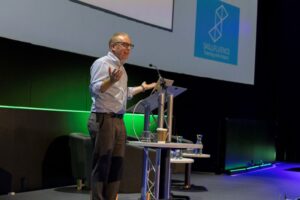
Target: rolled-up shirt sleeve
{"x":130,"y":93}
{"x":99,"y":72}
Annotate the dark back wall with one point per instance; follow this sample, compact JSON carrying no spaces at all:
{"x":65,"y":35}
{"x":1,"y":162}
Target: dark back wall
{"x":39,"y":77}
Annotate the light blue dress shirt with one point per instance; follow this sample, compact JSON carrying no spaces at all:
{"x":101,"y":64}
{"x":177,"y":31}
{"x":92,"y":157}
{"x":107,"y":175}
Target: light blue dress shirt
{"x":114,"y":99}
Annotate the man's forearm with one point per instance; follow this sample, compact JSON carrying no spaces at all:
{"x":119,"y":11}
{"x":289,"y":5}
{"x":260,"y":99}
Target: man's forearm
{"x":105,"y":85}
{"x":138,"y":89}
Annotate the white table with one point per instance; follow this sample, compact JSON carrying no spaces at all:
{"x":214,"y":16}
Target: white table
{"x":161,"y":182}
{"x":166,"y":145}
{"x":187,"y":183}
{"x":195,"y":155}
{"x":187,"y":170}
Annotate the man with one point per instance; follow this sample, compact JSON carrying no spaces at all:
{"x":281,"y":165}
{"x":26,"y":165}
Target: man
{"x":109,"y":92}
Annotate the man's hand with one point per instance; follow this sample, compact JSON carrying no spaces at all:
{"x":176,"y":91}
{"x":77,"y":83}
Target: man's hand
{"x":115,"y":75}
{"x":146,"y":86}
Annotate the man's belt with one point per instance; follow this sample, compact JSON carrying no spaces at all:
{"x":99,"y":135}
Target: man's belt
{"x":112,"y":115}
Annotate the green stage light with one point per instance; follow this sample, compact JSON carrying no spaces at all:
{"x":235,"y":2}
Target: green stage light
{"x":76,"y":120}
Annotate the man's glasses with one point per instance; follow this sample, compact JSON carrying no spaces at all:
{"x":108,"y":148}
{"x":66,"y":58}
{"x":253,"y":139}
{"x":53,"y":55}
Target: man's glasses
{"x":125,"y":45}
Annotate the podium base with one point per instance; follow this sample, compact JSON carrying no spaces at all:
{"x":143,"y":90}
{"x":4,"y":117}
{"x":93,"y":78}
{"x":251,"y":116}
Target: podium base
{"x":191,"y":188}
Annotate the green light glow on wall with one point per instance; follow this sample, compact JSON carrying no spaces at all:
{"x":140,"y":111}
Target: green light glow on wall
{"x":42,"y":109}
{"x":134,"y":123}
{"x":248,"y":142}
{"x":76,"y":120}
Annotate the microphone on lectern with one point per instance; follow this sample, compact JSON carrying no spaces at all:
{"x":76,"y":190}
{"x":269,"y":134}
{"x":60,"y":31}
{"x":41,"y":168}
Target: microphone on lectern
{"x":161,"y":79}
{"x":155,"y":67}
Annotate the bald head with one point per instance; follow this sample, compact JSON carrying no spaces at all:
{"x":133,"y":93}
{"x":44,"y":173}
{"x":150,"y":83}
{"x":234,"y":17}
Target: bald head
{"x":117,"y":37}
{"x":120,"y":45}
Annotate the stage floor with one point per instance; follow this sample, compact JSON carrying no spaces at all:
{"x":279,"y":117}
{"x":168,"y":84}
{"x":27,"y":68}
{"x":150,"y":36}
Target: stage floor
{"x":266,"y":184}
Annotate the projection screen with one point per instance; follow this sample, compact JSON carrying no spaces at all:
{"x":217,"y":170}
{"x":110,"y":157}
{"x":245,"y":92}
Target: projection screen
{"x":155,"y":12}
{"x":206,"y":38}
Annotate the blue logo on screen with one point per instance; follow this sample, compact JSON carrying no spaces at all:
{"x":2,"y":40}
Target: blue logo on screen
{"x":217,"y":31}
